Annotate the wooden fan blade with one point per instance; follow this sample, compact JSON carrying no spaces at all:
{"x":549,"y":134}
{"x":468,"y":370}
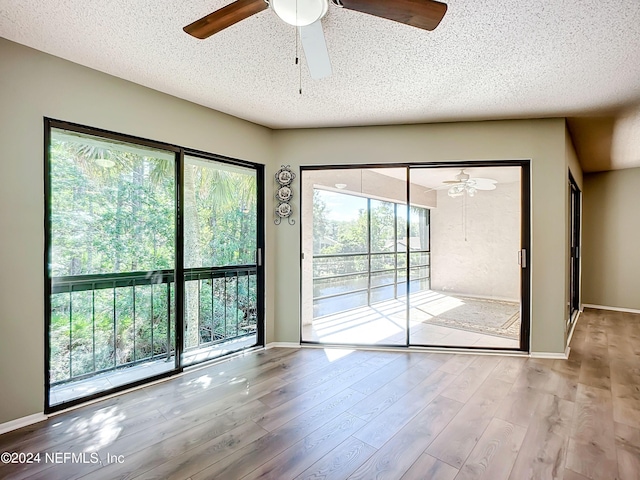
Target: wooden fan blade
{"x":224,"y":17}
{"x":425,"y":14}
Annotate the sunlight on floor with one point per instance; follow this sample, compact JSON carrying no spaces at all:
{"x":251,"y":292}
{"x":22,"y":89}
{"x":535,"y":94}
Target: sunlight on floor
{"x":334,"y":354}
{"x":433,"y":304}
{"x":384,"y":323}
{"x":204,"y":381}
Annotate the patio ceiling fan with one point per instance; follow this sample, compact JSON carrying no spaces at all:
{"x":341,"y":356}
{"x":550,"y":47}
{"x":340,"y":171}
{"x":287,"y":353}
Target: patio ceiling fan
{"x":465,"y":184}
{"x":307,"y":16}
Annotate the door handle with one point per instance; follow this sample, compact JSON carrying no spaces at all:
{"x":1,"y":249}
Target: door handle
{"x":522,"y":258}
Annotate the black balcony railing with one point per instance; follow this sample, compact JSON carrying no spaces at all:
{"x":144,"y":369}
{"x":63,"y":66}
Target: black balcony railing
{"x":105,"y":322}
{"x":350,"y":280}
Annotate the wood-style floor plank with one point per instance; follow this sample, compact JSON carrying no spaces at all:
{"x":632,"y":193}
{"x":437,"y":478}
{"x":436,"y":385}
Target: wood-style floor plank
{"x":189,"y":462}
{"x":595,"y":369}
{"x":519,"y":405}
{"x":592,"y":449}
{"x":397,"y":456}
{"x":493,"y":456}
{"x":470,"y":379}
{"x":381,"y":399}
{"x":457,"y":440}
{"x":430,"y":467}
{"x":339,"y":463}
{"x":628,"y":450}
{"x":393,"y":370}
{"x":571,"y":475}
{"x":300,"y":456}
{"x":247,"y":459}
{"x":300,"y":413}
{"x":626,"y":404}
{"x":381,"y":428}
{"x":544,"y":448}
{"x":508,"y":368}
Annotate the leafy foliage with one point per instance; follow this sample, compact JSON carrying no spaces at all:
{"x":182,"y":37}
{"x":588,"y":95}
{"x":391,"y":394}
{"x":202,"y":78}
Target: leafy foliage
{"x":380,"y":228}
{"x":113,"y":211}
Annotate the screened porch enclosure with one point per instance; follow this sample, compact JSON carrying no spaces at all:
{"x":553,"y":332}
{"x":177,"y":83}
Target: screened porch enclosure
{"x":439,"y":270}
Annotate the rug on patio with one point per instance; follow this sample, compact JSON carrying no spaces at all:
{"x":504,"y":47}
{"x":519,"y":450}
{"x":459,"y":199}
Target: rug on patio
{"x":479,"y":315}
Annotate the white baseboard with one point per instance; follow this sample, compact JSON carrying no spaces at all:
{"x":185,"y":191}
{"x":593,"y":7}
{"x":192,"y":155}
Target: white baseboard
{"x":573,"y":327}
{"x":22,"y":422}
{"x":552,"y":355}
{"x":479,"y":297}
{"x":282,"y":345}
{"x":613,"y":309}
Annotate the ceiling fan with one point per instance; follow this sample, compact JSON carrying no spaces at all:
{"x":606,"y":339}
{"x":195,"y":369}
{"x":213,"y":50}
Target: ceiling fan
{"x":464,"y":184}
{"x":307,"y":16}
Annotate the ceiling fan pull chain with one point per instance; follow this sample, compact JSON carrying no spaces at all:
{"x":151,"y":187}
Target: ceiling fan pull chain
{"x":297,"y":54}
{"x":296,"y":30}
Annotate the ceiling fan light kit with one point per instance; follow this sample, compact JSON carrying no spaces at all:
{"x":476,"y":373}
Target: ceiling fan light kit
{"x":461,"y":189}
{"x":300,"y":13}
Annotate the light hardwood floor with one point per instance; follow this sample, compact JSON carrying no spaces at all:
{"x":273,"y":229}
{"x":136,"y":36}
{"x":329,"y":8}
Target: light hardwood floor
{"x":311,"y":414}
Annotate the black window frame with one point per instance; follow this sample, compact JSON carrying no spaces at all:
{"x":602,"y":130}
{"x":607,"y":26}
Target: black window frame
{"x":179,"y":154}
{"x":525,"y":239}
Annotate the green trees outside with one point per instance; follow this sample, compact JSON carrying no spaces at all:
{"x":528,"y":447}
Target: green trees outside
{"x":112,"y":211}
{"x":220,"y":229}
{"x":373,"y":225}
{"x":103,"y":202}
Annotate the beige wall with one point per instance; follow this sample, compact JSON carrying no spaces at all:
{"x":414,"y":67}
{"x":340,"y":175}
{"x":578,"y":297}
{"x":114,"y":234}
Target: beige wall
{"x":542,"y":141}
{"x":611,"y":257}
{"x":474,"y":246}
{"x":34,"y":85}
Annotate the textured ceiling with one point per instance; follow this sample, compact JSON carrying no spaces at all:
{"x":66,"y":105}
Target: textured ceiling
{"x":488,"y":59}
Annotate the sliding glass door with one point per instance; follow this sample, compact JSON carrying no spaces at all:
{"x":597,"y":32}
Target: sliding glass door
{"x":473,"y":296}
{"x":151,"y":259}
{"x":446,"y":269}
{"x":220,"y":250}
{"x":574,"y":249}
{"x":112,"y":253}
{"x":354,"y":256}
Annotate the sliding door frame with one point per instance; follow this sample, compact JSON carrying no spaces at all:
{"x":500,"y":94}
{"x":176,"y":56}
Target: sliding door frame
{"x":304,"y":168}
{"x":575,"y":214}
{"x":525,"y":244}
{"x":260,"y":228}
{"x":179,"y":287}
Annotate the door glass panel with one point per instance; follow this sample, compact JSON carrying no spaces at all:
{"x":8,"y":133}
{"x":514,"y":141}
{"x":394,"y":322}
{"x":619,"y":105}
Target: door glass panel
{"x":573,"y":301}
{"x":112,"y":254}
{"x":220,"y":241}
{"x":464,"y":271}
{"x":352,"y":231}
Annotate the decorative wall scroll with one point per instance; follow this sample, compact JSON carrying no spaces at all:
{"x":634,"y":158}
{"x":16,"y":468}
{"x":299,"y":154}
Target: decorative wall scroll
{"x":284,"y":194}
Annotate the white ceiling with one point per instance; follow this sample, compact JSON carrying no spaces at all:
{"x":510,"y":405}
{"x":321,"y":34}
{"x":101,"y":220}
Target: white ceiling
{"x":435,"y":177}
{"x":431,"y":178}
{"x":488,"y":59}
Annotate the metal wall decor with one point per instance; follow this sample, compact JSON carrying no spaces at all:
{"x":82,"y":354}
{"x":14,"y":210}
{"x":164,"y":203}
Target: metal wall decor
{"x":284,"y":194}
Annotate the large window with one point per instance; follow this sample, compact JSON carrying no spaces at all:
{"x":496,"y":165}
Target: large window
{"x":360,"y":250}
{"x":131,"y":293}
